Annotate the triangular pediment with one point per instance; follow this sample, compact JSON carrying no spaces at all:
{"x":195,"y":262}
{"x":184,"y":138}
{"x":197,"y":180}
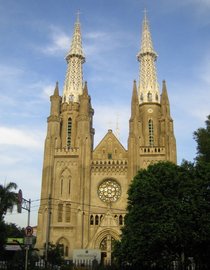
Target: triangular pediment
{"x":109,"y":148}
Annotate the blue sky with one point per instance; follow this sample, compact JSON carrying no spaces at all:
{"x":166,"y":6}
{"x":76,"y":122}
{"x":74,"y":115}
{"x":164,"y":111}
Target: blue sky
{"x":34,"y":39}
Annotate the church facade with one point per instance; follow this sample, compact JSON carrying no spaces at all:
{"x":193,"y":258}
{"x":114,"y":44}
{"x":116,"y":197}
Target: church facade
{"x":84,"y":189}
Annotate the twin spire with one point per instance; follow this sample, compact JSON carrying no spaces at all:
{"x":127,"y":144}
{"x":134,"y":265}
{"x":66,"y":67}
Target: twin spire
{"x":148,"y":89}
{"x":73,"y":85}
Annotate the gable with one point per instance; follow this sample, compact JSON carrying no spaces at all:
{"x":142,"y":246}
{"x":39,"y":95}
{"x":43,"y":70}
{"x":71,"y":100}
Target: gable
{"x":109,"y":148}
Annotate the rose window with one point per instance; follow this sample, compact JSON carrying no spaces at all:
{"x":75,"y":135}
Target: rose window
{"x":109,"y":191}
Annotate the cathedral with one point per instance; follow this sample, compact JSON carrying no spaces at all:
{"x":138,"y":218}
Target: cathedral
{"x":84,"y":189}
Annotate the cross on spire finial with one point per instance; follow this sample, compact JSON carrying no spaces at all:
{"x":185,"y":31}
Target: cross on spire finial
{"x":145,"y":14}
{"x":78,"y":15}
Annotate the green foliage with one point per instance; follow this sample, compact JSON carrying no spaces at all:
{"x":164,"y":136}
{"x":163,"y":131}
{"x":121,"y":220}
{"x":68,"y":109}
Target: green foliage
{"x":8,"y":198}
{"x":202,"y":137}
{"x":12,"y":230}
{"x":3,"y":237}
{"x":54,"y":254}
{"x":168,"y":216}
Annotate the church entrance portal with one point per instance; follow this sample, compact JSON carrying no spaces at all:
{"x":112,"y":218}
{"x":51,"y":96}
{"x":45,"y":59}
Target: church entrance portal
{"x":106,"y":247}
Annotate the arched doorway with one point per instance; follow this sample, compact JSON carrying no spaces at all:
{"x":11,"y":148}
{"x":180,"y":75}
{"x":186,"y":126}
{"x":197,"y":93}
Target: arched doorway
{"x":106,"y":247}
{"x":63,"y":242}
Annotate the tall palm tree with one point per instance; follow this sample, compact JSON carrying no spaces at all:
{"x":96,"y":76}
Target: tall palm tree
{"x":8,"y":198}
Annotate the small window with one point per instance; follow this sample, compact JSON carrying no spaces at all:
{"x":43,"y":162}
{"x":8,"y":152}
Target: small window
{"x":69,"y":128}
{"x":149,"y":96}
{"x":151,"y":132}
{"x":61,"y":186}
{"x":91,"y":220}
{"x":66,"y":251}
{"x":141,"y":97}
{"x":120,"y":220}
{"x":69,"y":185}
{"x":109,"y":156}
{"x":96,"y":220}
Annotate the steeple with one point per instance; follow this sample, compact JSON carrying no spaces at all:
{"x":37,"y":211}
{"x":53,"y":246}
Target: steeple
{"x":148,"y":89}
{"x":73,"y":84}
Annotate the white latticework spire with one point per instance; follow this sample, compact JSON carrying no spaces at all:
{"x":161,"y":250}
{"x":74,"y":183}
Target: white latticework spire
{"x":148,"y":89}
{"x":73,"y":84}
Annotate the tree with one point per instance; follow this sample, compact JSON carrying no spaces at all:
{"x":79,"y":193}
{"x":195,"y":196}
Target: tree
{"x":3,"y":237}
{"x":8,"y":230}
{"x":54,"y":254}
{"x":202,"y":137}
{"x":168,"y":216}
{"x":14,"y":231}
{"x":8,"y":198}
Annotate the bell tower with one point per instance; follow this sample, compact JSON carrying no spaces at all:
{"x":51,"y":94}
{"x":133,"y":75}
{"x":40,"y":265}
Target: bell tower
{"x":65,"y":197}
{"x":151,"y":135}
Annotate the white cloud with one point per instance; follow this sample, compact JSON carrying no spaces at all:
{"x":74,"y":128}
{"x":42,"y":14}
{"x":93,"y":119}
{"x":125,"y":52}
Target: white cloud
{"x":59,"y":42}
{"x":20,"y":137}
{"x":48,"y":90}
{"x":97,"y":42}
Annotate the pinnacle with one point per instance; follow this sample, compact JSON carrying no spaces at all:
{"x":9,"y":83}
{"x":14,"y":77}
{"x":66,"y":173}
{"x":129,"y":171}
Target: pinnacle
{"x":134,"y":96}
{"x":164,"y":88}
{"x":164,"y":100}
{"x":56,"y":91}
{"x":85,"y":90}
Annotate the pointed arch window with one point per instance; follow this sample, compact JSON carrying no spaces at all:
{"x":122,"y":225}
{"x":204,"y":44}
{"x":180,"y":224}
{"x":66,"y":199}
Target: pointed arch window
{"x":141,"y":97}
{"x":69,"y":129}
{"x":149,"y":96}
{"x":91,"y":220}
{"x":120,"y":220}
{"x":96,"y":220}
{"x":61,"y":186}
{"x":60,"y":212}
{"x":66,"y":251}
{"x":151,"y":132}
{"x":68,"y":212}
{"x":69,"y":184}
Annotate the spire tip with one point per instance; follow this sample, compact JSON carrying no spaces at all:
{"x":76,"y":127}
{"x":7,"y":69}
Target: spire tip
{"x":78,"y":16}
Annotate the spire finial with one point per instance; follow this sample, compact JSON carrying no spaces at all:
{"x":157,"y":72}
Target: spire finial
{"x":78,"y":16}
{"x":145,"y":14}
